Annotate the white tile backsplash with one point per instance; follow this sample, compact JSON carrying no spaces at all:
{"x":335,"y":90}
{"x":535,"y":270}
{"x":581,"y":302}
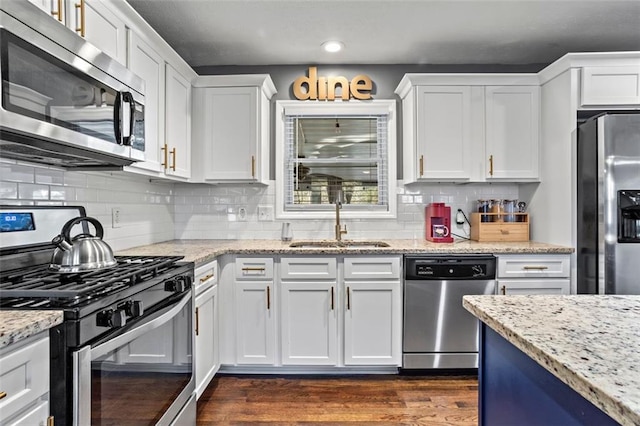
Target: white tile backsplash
{"x":147,"y":209}
{"x":155,"y":212}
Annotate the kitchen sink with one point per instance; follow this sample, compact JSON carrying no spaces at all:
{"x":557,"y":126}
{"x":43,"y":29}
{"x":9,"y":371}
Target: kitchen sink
{"x":338,"y":244}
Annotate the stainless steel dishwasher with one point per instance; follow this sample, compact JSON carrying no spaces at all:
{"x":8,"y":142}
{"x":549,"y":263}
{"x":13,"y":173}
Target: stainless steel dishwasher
{"x":438,"y":332}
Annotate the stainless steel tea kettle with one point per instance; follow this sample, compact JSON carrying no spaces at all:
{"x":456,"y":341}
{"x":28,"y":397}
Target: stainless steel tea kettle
{"x":83,"y":252}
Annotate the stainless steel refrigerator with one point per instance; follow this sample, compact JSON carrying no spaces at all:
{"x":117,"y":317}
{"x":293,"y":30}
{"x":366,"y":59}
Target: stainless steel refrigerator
{"x":608,"y":196}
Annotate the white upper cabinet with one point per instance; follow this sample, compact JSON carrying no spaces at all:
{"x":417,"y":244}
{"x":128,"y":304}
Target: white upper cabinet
{"x":176,"y":151}
{"x":443,"y":139}
{"x":149,"y":65}
{"x":231,"y":128}
{"x":470,"y":127}
{"x":94,"y":21}
{"x":610,"y":85}
{"x":512,"y":117}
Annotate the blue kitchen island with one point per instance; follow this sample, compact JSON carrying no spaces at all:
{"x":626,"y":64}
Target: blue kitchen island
{"x":558,"y":360}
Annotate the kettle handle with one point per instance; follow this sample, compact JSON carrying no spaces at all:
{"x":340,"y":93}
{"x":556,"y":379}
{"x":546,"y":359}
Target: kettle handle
{"x":66,"y":229}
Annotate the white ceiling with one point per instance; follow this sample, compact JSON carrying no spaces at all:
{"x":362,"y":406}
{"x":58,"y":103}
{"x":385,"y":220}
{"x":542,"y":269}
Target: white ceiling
{"x":280,"y":32}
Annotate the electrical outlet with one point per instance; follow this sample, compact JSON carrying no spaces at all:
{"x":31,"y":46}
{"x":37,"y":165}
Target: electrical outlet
{"x":116,"y":217}
{"x":265,"y":213}
{"x":242,"y":214}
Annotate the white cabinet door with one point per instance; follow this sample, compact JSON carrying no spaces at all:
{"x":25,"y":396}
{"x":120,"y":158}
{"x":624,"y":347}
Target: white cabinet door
{"x":309,"y":331}
{"x":610,"y":86}
{"x":255,"y":322}
{"x":511,"y":287}
{"x":231,"y":135}
{"x":512,"y":132}
{"x":444,"y":134}
{"x":149,"y":65}
{"x":373,"y":323}
{"x":93,"y":20}
{"x":177,"y":148}
{"x":206,"y":323}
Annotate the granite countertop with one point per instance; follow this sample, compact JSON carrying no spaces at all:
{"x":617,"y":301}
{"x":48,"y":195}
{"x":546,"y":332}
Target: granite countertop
{"x":590,"y":342}
{"x":18,"y":325}
{"x":201,"y":251}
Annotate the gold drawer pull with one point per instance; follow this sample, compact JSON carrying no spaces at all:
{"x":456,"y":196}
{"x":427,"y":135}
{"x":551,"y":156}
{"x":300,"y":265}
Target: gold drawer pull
{"x":260,"y":269}
{"x":81,"y":7}
{"x":165,"y":150}
{"x":348,"y":298}
{"x":58,"y":13}
{"x":535,"y":268}
{"x":173,"y":157}
{"x":207,"y":278}
{"x":332,"y":298}
{"x":50,"y":421}
{"x":253,"y":166}
{"x":197,"y":321}
{"x":491,"y":165}
{"x":503,"y":290}
{"x":2,"y":394}
{"x":268,"y":298}
{"x":421,"y":165}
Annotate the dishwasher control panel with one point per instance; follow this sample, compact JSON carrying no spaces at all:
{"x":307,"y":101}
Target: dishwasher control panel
{"x":450,"y":267}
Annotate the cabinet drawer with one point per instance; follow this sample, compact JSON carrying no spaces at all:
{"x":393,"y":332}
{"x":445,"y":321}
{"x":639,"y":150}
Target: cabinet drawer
{"x":367,"y":267}
{"x":308,"y":268}
{"x":538,"y":266}
{"x":36,"y":415}
{"x":24,"y":375}
{"x":205,"y":276}
{"x":552,"y":286}
{"x":251,"y":268}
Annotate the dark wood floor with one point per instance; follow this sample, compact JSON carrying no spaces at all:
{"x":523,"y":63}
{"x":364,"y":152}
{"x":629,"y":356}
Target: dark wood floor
{"x":370,"y":400}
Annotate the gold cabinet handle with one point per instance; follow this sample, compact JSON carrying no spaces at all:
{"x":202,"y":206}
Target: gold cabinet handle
{"x":173,"y":159}
{"x":253,"y":166}
{"x":208,"y":277}
{"x":332,"y":298}
{"x":248,"y":269}
{"x":165,"y":162}
{"x":535,"y":268}
{"x":2,"y":394}
{"x":421,"y":165}
{"x":491,"y":165}
{"x":81,"y":28}
{"x":348,"y":298}
{"x":503,"y":290}
{"x":268,"y":298}
{"x":197,"y":321}
{"x":50,"y":421}
{"x":58,"y":13}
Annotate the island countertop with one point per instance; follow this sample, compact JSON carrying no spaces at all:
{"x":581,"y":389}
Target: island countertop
{"x":590,"y":342}
{"x":201,"y":251}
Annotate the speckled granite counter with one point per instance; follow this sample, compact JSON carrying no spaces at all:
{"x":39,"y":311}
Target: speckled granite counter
{"x":18,"y":325}
{"x":591,"y":343}
{"x":200,"y":251}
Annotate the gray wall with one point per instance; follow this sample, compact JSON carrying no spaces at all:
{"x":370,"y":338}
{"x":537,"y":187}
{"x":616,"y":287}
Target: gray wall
{"x":385,"y":80}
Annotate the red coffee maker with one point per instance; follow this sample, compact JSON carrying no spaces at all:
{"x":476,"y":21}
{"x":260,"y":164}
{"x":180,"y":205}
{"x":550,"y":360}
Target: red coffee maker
{"x":437,"y":221}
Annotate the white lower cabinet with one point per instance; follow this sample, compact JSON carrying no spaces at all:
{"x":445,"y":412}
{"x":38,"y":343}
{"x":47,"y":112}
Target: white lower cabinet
{"x":24,"y":382}
{"x":206,"y":325}
{"x":360,"y":313}
{"x":309,"y":321}
{"x":373,"y":323}
{"x":254,"y":311}
{"x":534,"y":274}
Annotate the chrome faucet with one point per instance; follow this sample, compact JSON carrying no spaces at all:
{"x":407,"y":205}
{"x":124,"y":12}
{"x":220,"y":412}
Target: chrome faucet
{"x":338,"y":228}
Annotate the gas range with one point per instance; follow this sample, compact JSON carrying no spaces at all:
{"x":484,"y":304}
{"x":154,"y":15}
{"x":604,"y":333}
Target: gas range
{"x":124,"y":325}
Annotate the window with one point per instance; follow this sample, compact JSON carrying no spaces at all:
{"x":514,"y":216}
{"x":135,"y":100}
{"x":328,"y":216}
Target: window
{"x":326,"y":150}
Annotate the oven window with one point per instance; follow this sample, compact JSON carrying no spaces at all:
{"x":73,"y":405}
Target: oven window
{"x":137,"y":383}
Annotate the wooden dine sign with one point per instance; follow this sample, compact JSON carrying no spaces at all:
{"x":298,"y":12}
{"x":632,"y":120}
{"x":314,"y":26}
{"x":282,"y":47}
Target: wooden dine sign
{"x":324,"y":88}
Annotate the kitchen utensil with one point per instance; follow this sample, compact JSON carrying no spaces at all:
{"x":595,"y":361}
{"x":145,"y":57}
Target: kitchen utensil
{"x":83,"y":252}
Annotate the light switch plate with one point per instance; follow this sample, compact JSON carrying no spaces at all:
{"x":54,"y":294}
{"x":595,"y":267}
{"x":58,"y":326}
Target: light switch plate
{"x":265,"y":213}
{"x":242,"y":214}
{"x":116,"y":217}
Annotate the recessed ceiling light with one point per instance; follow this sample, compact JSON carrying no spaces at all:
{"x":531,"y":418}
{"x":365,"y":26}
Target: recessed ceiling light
{"x":332,"y":46}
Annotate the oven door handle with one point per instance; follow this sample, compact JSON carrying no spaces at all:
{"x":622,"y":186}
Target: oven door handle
{"x":83,"y":357}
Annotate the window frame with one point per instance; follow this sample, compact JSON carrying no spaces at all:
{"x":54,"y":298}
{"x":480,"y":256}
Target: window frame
{"x":335,"y":108}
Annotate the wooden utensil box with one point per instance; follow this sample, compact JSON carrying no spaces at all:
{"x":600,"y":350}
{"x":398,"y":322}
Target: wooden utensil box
{"x":496,"y":229}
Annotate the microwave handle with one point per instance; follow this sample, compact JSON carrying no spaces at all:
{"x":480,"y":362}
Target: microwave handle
{"x":128,"y":98}
{"x":117,"y":128}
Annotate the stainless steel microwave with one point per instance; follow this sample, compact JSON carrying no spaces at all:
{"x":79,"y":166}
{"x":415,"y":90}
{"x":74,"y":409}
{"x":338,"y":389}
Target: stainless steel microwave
{"x":63,"y":101}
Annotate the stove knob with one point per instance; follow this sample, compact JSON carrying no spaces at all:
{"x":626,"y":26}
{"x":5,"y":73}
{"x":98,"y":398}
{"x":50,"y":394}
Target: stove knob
{"x":111,"y":318}
{"x":134,"y":308}
{"x":174,"y":285}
